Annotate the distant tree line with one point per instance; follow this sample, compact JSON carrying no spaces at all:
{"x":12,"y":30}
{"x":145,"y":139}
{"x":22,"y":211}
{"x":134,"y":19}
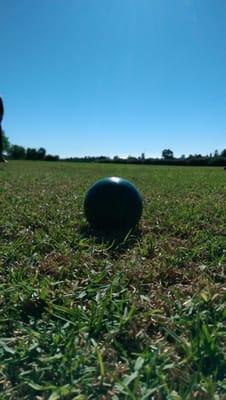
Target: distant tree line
{"x":16,"y":152}
{"x":212,"y":159}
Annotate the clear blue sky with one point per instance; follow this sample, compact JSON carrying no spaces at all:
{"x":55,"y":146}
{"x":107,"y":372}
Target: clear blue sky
{"x":92,"y":77}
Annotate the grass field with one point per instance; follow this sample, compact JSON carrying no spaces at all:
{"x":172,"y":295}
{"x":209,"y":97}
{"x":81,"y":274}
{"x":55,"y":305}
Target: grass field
{"x":87,"y":316}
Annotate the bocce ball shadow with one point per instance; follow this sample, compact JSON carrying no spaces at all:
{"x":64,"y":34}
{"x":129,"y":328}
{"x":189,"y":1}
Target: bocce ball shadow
{"x":113,"y":207}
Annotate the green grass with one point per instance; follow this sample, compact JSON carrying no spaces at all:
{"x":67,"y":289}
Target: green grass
{"x":87,"y":316}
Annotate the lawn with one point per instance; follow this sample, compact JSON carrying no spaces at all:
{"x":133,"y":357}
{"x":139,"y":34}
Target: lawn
{"x":87,"y":315}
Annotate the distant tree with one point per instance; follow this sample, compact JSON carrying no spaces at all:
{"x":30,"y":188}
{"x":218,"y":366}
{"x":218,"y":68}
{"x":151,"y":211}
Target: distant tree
{"x":5,"y":143}
{"x":183,"y":157}
{"x":41,"y":153}
{"x":195,"y":156}
{"x":167,"y":154}
{"x":17,"y":152}
{"x":216,"y":153}
{"x":31,"y":154}
{"x":102,"y":158}
{"x":50,"y":157}
{"x":223,"y":153}
{"x":142,"y":156}
{"x":132,"y":159}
